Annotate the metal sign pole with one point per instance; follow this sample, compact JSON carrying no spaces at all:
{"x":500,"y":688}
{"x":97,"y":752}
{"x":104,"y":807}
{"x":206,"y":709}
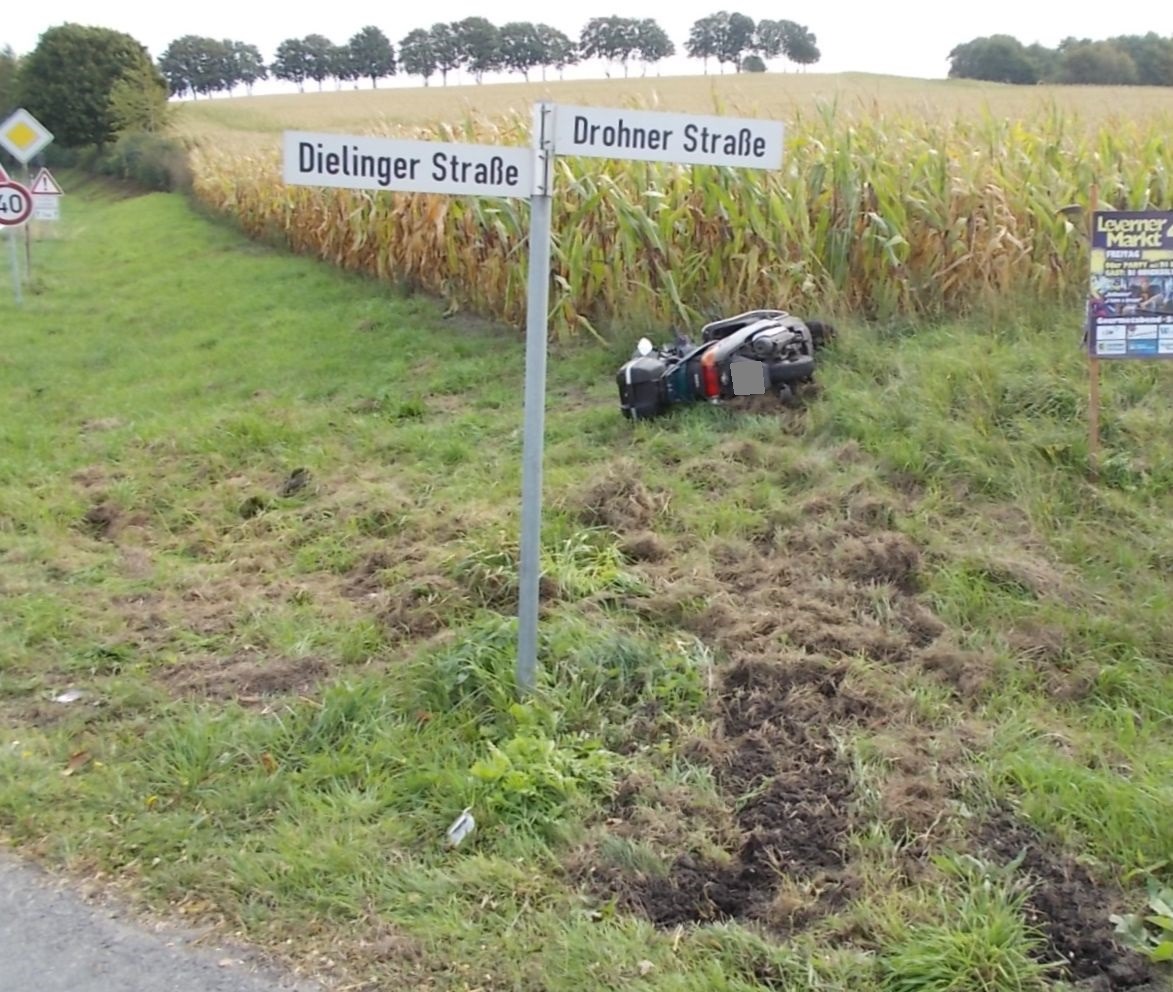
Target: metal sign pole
{"x":536,"y":331}
{"x":28,"y":236}
{"x":15,"y":253}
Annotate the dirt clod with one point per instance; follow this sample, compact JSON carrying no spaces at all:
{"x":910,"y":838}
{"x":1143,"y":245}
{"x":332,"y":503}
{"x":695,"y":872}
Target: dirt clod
{"x":884,"y":556}
{"x":621,"y":501}
{"x":1069,"y":906}
{"x":102,"y":519}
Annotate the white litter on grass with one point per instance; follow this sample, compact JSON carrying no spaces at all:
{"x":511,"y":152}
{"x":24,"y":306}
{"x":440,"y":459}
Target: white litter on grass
{"x":69,"y":696}
{"x":461,"y":827}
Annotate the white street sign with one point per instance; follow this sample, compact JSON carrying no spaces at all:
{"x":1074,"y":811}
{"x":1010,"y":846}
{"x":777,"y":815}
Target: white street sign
{"x":350,"y":162}
{"x":654,"y":136}
{"x":46,"y":207}
{"x":22,"y":136}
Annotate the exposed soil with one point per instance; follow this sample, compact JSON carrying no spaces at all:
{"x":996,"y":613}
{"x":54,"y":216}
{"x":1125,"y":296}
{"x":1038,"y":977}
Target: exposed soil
{"x":621,"y":501}
{"x":1070,"y":908}
{"x":786,"y":792}
{"x":247,"y":678}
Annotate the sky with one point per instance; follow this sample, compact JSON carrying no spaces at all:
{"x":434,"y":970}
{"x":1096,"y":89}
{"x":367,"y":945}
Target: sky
{"x":899,"y":37}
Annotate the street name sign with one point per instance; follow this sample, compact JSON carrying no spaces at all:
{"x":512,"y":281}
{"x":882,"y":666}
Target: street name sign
{"x":384,"y":164}
{"x":349,"y":162}
{"x":22,"y":136}
{"x":655,"y":136}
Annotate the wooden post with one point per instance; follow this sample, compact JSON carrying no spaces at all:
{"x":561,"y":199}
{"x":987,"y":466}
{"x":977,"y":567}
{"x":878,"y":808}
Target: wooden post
{"x":1093,"y":417}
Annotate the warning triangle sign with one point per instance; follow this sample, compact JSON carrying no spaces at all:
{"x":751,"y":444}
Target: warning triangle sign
{"x":46,"y":185}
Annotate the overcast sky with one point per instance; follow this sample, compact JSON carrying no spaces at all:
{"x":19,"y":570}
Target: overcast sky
{"x":901,"y":37}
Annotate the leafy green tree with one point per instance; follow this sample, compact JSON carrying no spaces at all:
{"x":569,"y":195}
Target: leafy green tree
{"x":1098,"y":63}
{"x":997,"y":58}
{"x":557,"y":50}
{"x":9,"y":68}
{"x":250,"y":66}
{"x":138,"y":101}
{"x":614,"y":39}
{"x":520,"y":47}
{"x":704,"y":39}
{"x":735,"y":38}
{"x":372,"y":55}
{"x":291,"y":62}
{"x":447,"y":49}
{"x":1151,"y":54}
{"x":343,"y":67}
{"x":320,"y":58}
{"x":417,"y":55}
{"x":479,"y":42}
{"x":799,"y":44}
{"x":67,"y":80}
{"x":753,"y":63}
{"x":652,"y":42}
{"x":768,"y":38}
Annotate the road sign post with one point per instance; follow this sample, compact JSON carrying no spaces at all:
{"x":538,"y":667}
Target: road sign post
{"x":537,"y":311}
{"x":340,"y":161}
{"x":16,"y":206}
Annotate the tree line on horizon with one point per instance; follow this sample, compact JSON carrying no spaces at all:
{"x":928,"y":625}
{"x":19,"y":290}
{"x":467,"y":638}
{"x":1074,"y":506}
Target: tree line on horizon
{"x":1124,"y":60}
{"x":202,"y":66}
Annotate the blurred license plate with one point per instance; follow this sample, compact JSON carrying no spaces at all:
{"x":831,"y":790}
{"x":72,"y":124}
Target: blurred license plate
{"x":749,"y":378}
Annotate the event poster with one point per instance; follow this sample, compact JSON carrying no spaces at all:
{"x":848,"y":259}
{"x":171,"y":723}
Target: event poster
{"x":1130,"y":311}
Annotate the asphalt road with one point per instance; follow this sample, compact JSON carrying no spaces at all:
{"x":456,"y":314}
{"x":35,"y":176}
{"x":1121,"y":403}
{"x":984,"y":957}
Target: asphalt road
{"x":51,"y":940}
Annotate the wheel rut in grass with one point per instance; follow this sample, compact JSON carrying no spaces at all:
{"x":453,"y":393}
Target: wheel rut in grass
{"x":1070,"y":908}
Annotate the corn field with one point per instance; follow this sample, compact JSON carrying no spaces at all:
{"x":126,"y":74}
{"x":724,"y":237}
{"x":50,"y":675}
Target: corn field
{"x":876,"y":216}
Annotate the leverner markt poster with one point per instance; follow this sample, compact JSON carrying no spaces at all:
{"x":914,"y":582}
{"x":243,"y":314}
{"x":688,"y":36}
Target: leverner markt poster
{"x":1130,"y":310}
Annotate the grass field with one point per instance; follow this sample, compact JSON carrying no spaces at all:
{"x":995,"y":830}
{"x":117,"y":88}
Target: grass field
{"x":869,"y":694}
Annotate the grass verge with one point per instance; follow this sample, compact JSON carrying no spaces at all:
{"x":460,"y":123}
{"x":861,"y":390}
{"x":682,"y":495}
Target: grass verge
{"x":869,"y":694}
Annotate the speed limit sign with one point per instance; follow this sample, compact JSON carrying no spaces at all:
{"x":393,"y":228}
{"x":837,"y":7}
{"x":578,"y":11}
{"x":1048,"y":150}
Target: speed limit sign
{"x":16,"y":204}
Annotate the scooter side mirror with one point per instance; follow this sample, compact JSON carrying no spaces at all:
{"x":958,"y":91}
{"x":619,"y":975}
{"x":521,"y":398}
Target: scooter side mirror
{"x":644,"y":347}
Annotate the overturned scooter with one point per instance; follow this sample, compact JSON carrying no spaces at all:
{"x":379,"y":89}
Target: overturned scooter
{"x":751,"y":354}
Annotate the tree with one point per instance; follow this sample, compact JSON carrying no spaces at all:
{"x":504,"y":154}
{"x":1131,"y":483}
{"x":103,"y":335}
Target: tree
{"x":479,"y":43}
{"x":250,"y":67}
{"x":652,"y":42}
{"x":736,"y":37}
{"x":557,"y":49}
{"x":615,"y":39}
{"x":319,"y":56}
{"x":446,"y":49}
{"x":799,"y":44}
{"x":520,"y":47}
{"x":1151,"y":54}
{"x":67,"y":80}
{"x":372,"y":55}
{"x":9,"y":67}
{"x":291,"y":62}
{"x":997,"y":58}
{"x":417,"y":56}
{"x":138,"y":101}
{"x":703,"y":39}
{"x":769,"y":38}
{"x":343,"y":67}
{"x":753,"y":63}
{"x":1100,"y":63}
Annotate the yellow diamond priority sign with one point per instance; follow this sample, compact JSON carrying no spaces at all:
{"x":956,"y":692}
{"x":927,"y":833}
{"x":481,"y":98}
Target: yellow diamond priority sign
{"x":22,"y":136}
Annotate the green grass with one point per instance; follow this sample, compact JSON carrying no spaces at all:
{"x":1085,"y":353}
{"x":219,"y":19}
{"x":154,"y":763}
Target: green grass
{"x":293,"y":682}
